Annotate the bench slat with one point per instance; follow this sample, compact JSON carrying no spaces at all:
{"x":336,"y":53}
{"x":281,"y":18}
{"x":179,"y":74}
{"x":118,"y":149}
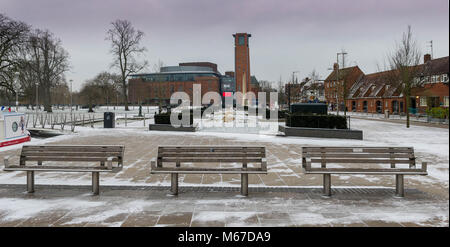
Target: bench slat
{"x":356,"y":155}
{"x":358,"y":150}
{"x":63,"y":168}
{"x":84,"y":148}
{"x":365,"y":171}
{"x":76,"y":154}
{"x":214,"y":154}
{"x":205,"y":149}
{"x":211,"y":160}
{"x":371,"y":161}
{"x":192,"y":170}
{"x":65,"y":158}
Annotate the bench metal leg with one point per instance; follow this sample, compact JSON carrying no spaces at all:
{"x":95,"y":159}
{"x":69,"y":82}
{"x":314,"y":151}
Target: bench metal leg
{"x":327,"y":184}
{"x":30,"y":181}
{"x":95,"y":183}
{"x":244,"y":184}
{"x":174,"y":184}
{"x":399,"y":186}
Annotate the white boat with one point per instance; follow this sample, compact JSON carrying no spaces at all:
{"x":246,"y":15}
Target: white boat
{"x":13,"y":129}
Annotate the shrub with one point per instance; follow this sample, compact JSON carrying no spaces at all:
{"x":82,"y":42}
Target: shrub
{"x":316,"y":121}
{"x":281,"y":114}
{"x":438,"y":112}
{"x":164,"y":118}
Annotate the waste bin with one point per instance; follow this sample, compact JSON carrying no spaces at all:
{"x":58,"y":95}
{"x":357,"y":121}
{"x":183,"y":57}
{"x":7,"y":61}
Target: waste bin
{"x":109,"y":120}
{"x":386,"y":113}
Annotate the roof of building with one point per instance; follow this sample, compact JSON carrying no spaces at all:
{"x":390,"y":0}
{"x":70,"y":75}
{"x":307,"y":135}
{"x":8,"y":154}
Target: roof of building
{"x":436,"y":66}
{"x":253,"y":80}
{"x":374,"y":85}
{"x":180,"y":70}
{"x":189,"y":69}
{"x":380,"y":84}
{"x":342,"y":73}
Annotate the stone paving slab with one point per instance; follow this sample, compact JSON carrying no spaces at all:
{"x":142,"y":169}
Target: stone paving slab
{"x":134,"y":197}
{"x":54,"y":205}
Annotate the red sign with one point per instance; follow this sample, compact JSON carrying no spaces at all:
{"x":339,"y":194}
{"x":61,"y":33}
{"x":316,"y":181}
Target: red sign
{"x":227,"y":94}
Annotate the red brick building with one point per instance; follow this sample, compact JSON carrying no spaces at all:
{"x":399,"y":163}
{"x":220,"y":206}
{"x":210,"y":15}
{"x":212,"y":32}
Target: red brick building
{"x":334,"y":84}
{"x":242,"y":63}
{"x":435,"y":92}
{"x":152,"y":88}
{"x":155,"y":87}
{"x":374,"y":93}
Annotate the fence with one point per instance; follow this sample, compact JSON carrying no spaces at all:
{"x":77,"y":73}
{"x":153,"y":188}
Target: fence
{"x":63,"y":119}
{"x":402,"y":116}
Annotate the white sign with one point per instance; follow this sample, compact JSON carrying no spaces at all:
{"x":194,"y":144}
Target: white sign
{"x":14,"y":125}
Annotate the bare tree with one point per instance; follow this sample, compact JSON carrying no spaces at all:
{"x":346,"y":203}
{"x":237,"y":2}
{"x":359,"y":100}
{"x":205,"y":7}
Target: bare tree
{"x":156,"y":69}
{"x":405,"y":60}
{"x":157,"y":66}
{"x":107,"y":82}
{"x":48,"y":61}
{"x":125,"y":47}
{"x":90,"y":93}
{"x":281,"y":92}
{"x":13,"y":35}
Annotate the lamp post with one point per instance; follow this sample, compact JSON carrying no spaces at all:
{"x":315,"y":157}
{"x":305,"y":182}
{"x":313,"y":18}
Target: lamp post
{"x":289,"y":90}
{"x":111,"y":83}
{"x":16,"y":89}
{"x":337,"y":83}
{"x":37,"y":102}
{"x":71,"y":96}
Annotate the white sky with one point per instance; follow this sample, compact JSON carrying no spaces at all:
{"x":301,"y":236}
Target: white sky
{"x":286,"y":35}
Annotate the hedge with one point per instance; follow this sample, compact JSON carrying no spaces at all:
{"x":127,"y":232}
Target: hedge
{"x":316,"y":121}
{"x":164,"y":118}
{"x":281,"y":114}
{"x":438,"y":112}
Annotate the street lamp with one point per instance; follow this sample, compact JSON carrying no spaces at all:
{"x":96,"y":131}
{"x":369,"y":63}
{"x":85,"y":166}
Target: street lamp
{"x":289,"y":89}
{"x":337,"y":83}
{"x":111,"y":82}
{"x":16,"y":89}
{"x":71,"y":96}
{"x":37,"y":93}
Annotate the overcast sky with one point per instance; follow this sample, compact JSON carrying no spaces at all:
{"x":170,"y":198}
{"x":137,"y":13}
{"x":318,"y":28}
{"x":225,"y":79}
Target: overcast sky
{"x":288,"y":35}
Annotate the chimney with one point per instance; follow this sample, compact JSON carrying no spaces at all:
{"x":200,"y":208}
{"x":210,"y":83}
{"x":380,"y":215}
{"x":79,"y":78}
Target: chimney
{"x":426,"y":58}
{"x":335,"y":66}
{"x":229,"y":73}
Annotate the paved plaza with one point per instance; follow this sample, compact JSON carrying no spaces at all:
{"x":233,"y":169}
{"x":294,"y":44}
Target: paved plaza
{"x":283,"y":197}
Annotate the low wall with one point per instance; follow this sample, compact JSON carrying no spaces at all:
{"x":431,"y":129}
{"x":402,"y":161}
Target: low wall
{"x":322,"y":133}
{"x":168,"y":127}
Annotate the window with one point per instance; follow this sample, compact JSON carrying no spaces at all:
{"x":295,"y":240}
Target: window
{"x":241,"y":40}
{"x":445,"y":78}
{"x":446,"y":103}
{"x":423,"y":101}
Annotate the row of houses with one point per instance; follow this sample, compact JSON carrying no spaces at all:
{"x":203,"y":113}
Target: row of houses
{"x":377,"y":92}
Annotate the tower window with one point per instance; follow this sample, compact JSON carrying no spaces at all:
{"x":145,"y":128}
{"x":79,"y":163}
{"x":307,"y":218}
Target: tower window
{"x":241,"y":40}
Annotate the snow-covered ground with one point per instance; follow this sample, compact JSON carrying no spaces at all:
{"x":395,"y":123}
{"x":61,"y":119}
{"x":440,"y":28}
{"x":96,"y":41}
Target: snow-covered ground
{"x":430,"y":144}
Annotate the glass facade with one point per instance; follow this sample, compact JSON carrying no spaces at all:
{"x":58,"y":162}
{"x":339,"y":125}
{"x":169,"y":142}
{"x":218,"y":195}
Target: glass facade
{"x":164,"y":77}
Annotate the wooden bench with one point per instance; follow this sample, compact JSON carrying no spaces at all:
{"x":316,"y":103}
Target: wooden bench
{"x":177,"y":155}
{"x":368,"y":160}
{"x":68,"y":153}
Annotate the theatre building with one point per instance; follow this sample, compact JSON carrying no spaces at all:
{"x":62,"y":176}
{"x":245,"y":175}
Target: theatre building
{"x":153,"y":88}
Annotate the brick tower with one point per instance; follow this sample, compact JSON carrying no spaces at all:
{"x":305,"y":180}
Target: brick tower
{"x":242,"y":62}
